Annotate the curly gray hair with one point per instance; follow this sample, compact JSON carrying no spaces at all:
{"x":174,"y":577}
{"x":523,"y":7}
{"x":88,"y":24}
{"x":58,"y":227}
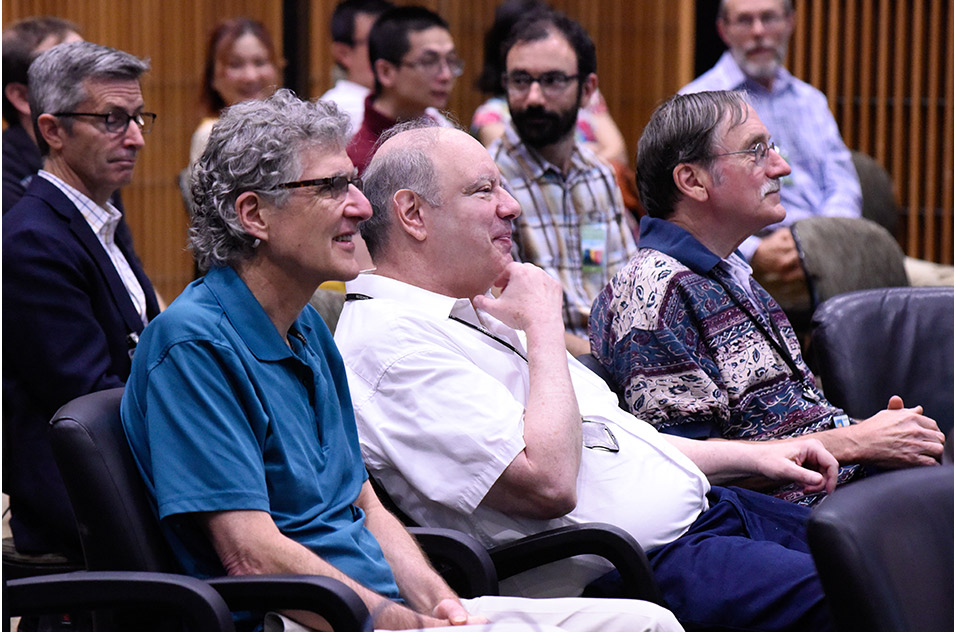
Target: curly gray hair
{"x":255,"y":146}
{"x":57,"y":78}
{"x":412,"y":169}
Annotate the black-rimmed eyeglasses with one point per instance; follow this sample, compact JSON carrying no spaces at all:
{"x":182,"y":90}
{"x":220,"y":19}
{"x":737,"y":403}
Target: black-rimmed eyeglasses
{"x":117,"y":121}
{"x":759,"y":151}
{"x":553,"y":84}
{"x":331,"y":187}
{"x":431,"y":64}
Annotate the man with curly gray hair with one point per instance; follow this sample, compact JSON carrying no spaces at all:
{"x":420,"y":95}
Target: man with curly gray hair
{"x":238,"y":411}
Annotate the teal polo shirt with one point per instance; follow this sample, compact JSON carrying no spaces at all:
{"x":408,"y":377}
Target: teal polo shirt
{"x":222,"y":415}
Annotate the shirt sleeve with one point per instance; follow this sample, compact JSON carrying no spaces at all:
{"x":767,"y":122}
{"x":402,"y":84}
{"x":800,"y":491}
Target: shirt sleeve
{"x":206,"y":441}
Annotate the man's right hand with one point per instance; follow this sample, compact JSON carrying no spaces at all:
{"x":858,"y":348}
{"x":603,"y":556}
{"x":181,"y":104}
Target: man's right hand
{"x":529,"y":297}
{"x":777,"y":258}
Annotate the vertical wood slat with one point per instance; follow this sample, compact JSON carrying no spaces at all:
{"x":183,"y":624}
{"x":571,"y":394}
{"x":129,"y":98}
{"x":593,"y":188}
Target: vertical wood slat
{"x":915,"y":134}
{"x":882,"y":84}
{"x":865,"y":111}
{"x":930,"y":191}
{"x":946,"y":229}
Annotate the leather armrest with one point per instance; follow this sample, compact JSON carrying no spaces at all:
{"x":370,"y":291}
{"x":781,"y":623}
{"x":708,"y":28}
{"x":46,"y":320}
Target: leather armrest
{"x":605,"y":540}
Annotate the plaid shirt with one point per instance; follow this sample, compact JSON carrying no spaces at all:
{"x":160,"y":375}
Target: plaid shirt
{"x":103,"y":220}
{"x":823,"y":181}
{"x":557,"y":211}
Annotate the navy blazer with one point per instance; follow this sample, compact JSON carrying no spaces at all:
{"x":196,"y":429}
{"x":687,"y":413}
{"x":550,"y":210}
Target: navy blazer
{"x":67,"y":320}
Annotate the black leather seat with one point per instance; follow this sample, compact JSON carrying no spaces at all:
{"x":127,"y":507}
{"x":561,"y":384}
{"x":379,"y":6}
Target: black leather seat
{"x":119,"y":531}
{"x":194,"y":602}
{"x":884,"y":549}
{"x":868,"y":345}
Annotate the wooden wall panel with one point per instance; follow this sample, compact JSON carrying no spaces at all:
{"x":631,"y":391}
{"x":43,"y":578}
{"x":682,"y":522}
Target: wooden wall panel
{"x":887,"y":70}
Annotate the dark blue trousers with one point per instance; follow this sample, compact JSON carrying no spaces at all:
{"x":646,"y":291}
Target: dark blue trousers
{"x":743,"y":565}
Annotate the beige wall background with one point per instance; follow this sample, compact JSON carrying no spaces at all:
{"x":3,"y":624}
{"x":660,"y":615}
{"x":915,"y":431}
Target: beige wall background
{"x":887,"y":67}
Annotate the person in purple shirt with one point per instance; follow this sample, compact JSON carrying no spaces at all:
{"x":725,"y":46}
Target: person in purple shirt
{"x":823,"y":181}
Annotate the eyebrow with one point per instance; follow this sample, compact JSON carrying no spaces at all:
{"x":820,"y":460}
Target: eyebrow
{"x":479,"y":182}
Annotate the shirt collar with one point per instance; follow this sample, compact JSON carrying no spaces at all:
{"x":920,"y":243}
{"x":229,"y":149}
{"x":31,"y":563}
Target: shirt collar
{"x":102,"y":219}
{"x":729,"y":68}
{"x":432,"y":303}
{"x":247,"y":316}
{"x":672,"y":240}
{"x":536,"y":164}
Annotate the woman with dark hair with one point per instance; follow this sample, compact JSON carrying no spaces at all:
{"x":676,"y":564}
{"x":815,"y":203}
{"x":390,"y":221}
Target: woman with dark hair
{"x":241,"y":64}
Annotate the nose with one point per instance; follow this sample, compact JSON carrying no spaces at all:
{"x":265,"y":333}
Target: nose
{"x":777,"y":167}
{"x":535,"y":94}
{"x":133,"y":137}
{"x":357,"y":205}
{"x":508,"y":207}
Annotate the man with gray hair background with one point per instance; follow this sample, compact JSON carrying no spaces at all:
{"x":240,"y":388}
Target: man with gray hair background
{"x":75,"y":296}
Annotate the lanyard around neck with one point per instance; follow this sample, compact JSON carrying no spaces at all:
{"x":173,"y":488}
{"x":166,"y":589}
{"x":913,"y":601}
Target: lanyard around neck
{"x":355,"y":296}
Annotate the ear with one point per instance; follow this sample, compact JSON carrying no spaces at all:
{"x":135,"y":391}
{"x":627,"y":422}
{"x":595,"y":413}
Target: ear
{"x":722,"y":31}
{"x":249,"y":211}
{"x":17,"y":94}
{"x":342,"y":54}
{"x":385,"y":72}
{"x":51,"y":131}
{"x":693,"y":181}
{"x":588,"y":88}
{"x":408,"y":213}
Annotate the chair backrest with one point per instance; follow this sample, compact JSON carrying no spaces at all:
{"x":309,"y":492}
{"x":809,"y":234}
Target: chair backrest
{"x":866,"y":346}
{"x":118,"y":529}
{"x":883,"y":547}
{"x":879,"y":200}
{"x":844,"y":254}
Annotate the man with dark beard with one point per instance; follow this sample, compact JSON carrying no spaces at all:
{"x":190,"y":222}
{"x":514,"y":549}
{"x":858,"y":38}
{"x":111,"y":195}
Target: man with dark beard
{"x":573,"y":219}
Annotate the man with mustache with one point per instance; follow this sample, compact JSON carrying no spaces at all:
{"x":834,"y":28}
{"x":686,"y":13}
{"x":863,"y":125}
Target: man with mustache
{"x":573,"y":222}
{"x":823,"y":181}
{"x":75,"y":295}
{"x":698,"y":348}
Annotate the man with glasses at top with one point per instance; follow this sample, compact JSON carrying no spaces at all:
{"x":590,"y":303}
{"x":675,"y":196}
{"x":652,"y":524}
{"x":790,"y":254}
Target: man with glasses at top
{"x":698,"y":348}
{"x":350,"y":25}
{"x":415,"y":66}
{"x":75,"y":296}
{"x":573,"y":218}
{"x":823,"y":181}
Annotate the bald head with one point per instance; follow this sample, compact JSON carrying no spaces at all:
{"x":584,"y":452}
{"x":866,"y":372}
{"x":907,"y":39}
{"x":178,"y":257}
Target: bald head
{"x":441,"y":219}
{"x":402,"y":161}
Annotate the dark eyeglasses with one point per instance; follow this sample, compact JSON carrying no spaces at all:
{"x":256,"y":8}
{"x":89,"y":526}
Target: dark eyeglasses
{"x":431,"y":64}
{"x":553,"y":84}
{"x":331,"y":187}
{"x":759,"y":151}
{"x":117,"y":121}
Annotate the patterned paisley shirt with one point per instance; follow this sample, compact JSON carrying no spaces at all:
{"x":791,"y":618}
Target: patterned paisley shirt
{"x":695,"y":355}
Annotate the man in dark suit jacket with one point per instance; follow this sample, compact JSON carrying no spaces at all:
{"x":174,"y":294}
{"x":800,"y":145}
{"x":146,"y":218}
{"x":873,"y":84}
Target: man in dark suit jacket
{"x":75,"y":296}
